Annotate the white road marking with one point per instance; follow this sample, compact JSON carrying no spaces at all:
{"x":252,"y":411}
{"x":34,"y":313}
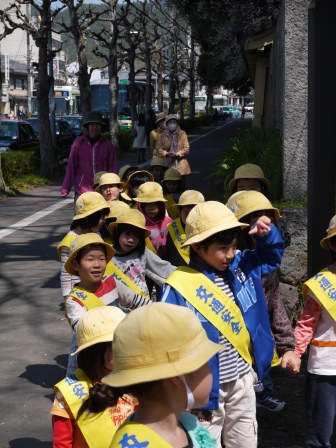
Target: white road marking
{"x":35,"y":217}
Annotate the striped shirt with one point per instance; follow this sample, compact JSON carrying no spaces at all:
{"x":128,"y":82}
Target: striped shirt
{"x":231,"y":364}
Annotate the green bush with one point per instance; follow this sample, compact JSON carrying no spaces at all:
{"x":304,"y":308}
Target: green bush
{"x":259,"y":145}
{"x":16,"y":164}
{"x":189,"y":124}
{"x":125,"y":139}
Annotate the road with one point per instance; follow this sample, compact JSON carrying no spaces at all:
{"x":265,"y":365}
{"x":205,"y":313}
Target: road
{"x":35,"y":336}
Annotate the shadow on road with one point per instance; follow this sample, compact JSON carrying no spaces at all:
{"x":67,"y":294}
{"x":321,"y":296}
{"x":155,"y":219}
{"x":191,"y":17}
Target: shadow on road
{"x":28,"y":442}
{"x":44,"y":375}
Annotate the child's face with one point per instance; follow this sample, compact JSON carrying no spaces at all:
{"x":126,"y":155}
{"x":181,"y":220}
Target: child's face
{"x":151,"y":210}
{"x":172,"y":185}
{"x":248,"y":184}
{"x":129,"y":240}
{"x":99,"y":225}
{"x":91,"y":266}
{"x":200,"y":383}
{"x":184,"y":212}
{"x":111,"y":192}
{"x":217,"y":255}
{"x":158,"y":173}
{"x":256,"y":215}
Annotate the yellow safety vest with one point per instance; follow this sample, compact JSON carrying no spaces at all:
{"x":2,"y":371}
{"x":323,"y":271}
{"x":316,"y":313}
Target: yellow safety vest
{"x":133,"y":434}
{"x":117,"y":274}
{"x":97,"y":429}
{"x":217,"y":307}
{"x":150,"y":246}
{"x":323,"y":286}
{"x":86,"y":298}
{"x":178,"y":236}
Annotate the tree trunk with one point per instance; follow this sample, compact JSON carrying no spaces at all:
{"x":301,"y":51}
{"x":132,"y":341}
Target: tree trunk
{"x":172,"y":90}
{"x":83,"y":75}
{"x":180,"y":99}
{"x":113,"y":76}
{"x":149,"y":98}
{"x":192,"y":78}
{"x":132,"y":90}
{"x":47,"y":153}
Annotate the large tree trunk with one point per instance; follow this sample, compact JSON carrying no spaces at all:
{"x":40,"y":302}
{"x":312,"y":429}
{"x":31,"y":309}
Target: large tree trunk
{"x":132,"y":89}
{"x":148,"y":98}
{"x":47,"y":153}
{"x":113,"y":76}
{"x":83,"y":75}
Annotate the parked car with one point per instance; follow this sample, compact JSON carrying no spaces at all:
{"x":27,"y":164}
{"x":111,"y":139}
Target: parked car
{"x":230,"y":111}
{"x":225,"y":112}
{"x":17,"y":135}
{"x":235,"y":111}
{"x":75,"y":123}
{"x":249,"y":107}
{"x":64,"y":135}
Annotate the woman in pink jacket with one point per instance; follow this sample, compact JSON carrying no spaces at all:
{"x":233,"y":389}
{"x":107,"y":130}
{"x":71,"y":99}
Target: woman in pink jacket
{"x":89,"y":154}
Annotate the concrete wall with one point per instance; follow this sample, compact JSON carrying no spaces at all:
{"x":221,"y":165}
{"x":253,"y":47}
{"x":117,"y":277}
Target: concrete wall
{"x":289,"y":92}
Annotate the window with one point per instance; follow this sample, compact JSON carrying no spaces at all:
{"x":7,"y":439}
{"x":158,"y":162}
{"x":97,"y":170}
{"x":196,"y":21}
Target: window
{"x":20,"y":83}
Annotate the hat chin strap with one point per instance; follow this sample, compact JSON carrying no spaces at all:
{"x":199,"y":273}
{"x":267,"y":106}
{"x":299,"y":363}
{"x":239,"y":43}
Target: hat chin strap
{"x":190,"y":395}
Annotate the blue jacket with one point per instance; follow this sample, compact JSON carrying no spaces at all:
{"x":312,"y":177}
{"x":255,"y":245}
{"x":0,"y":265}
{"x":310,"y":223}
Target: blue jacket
{"x":244,"y":273}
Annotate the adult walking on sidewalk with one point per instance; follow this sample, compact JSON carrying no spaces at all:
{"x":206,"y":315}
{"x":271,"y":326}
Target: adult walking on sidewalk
{"x":89,"y":154}
{"x":140,"y":140}
{"x":173,"y":145}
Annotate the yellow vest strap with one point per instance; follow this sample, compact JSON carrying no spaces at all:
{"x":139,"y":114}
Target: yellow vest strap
{"x":178,"y":236}
{"x":133,"y":434}
{"x":66,"y":241}
{"x":215,"y":306}
{"x":75,"y":389}
{"x":323,"y":286}
{"x":87,"y":299}
{"x":117,"y":274}
{"x":150,"y":246}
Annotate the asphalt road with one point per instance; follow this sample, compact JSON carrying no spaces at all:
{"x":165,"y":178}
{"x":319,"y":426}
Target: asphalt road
{"x":35,"y":336}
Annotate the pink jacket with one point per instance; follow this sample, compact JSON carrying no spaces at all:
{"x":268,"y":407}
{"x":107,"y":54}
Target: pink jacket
{"x":86,"y":160}
{"x":158,"y":234}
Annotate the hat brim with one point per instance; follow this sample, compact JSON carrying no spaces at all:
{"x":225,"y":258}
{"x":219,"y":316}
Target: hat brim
{"x":258,"y":208}
{"x":201,"y":354}
{"x":98,"y":188}
{"x":324,"y":244}
{"x":113,"y":225}
{"x":149,"y":200}
{"x":232,"y":183}
{"x":207,"y":233}
{"x":102,"y":124}
{"x":101,"y":208}
{"x":109,"y":255}
{"x":98,"y":340}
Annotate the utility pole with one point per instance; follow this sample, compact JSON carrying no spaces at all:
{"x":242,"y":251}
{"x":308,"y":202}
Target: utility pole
{"x":29,"y":80}
{"x":51,"y":91}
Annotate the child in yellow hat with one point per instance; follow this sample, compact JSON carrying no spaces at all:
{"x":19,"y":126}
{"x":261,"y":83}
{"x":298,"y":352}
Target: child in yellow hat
{"x":223,"y":288}
{"x":176,"y":229}
{"x":132,"y":260}
{"x":249,"y":206}
{"x":172,"y":190}
{"x":110,"y":186}
{"x":316,"y":328}
{"x":158,"y":167}
{"x":94,"y":332}
{"x":161,"y":355}
{"x":152,"y":205}
{"x":132,"y":186}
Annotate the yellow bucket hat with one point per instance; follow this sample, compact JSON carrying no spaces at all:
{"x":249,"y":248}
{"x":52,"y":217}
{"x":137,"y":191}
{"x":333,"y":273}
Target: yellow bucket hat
{"x":158,"y":161}
{"x":133,"y":217}
{"x":96,"y":178}
{"x":171,"y":174}
{"x":109,"y":179}
{"x":88,"y":203}
{"x":243,"y":203}
{"x":150,"y":192}
{"x":86,"y":241}
{"x":248,"y":171}
{"x":125,"y":168}
{"x":158,"y":341}
{"x":207,"y":219}
{"x":127,"y":192}
{"x":331,"y":231}
{"x":97,"y":325}
{"x":189,"y":197}
{"x":116,"y":207}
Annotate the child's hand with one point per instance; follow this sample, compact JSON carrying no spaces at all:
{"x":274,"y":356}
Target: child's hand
{"x":261,"y":226}
{"x":290,"y":361}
